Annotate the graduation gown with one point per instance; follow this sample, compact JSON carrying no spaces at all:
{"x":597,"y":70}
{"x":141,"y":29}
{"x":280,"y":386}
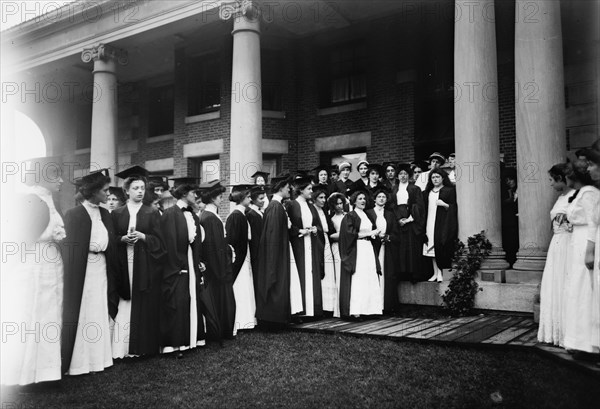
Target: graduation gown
{"x":348,"y":239}
{"x":390,"y":297}
{"x":273,"y":274}
{"x":236,"y":227}
{"x":219,"y":272}
{"x":145,"y":292}
{"x":446,"y":226}
{"x":255,"y":219}
{"x":75,"y":249}
{"x":410,"y":249}
{"x":317,"y":254}
{"x":175,"y":291}
{"x":343,"y":187}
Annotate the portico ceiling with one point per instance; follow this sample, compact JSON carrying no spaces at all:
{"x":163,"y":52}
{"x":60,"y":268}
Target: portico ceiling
{"x":150,"y":30}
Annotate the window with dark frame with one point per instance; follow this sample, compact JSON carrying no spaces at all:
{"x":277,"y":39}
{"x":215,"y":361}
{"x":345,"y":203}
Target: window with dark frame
{"x":271,"y":73}
{"x":161,"y":115}
{"x":204,"y":84}
{"x":345,"y":75}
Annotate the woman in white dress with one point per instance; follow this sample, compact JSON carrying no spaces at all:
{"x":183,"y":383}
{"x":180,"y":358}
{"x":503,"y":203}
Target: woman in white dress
{"x":360,"y":293}
{"x":553,"y":281}
{"x":32,"y":287}
{"x":86,"y":342}
{"x":238,"y":236}
{"x":328,"y":284}
{"x":580,"y":311}
{"x":592,"y":255}
{"x":336,"y":204}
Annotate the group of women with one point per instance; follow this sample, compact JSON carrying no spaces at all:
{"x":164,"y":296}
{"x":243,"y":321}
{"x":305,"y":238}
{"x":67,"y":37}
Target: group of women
{"x":117,"y":280}
{"x":570,"y":289}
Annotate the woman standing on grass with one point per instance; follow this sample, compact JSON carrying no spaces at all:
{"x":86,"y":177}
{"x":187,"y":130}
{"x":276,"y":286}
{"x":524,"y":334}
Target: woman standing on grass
{"x":551,"y":329}
{"x":139,"y":251}
{"x":360,"y":293}
{"x":581,"y":310}
{"x":238,"y":237}
{"x":218,"y":258}
{"x":32,"y":285}
{"x":89,"y":277}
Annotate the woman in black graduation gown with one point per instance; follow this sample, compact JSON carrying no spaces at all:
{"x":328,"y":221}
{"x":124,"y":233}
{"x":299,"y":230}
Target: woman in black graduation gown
{"x":306,"y":237}
{"x":407,"y":205}
{"x":386,"y":248}
{"x":139,"y":251}
{"x":373,"y":184}
{"x":181,"y":322}
{"x":360,"y":293}
{"x":238,"y":236}
{"x":273,"y":304}
{"x":88,"y":254}
{"x":254,"y":215}
{"x":441,"y":228}
{"x":218,"y":259}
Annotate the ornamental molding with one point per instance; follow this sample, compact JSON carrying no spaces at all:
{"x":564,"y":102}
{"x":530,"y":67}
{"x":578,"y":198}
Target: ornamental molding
{"x":104,"y":52}
{"x":246,"y":8}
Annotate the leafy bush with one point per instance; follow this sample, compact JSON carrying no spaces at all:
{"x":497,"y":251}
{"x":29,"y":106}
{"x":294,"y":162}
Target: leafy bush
{"x":459,"y":298}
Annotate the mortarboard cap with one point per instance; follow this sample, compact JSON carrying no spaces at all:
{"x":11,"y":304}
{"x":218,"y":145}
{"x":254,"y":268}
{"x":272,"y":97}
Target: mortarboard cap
{"x":157,"y":180}
{"x":405,"y":167}
{"x":260,"y":173}
{"x":184,"y":180}
{"x":334,"y":169}
{"x":117,"y":191}
{"x":241,"y":188}
{"x":211,"y":186}
{"x":93,"y":177}
{"x":133,"y":171}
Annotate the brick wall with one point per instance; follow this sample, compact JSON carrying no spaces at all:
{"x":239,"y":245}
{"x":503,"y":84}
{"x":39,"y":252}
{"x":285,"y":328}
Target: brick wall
{"x":506,"y":107}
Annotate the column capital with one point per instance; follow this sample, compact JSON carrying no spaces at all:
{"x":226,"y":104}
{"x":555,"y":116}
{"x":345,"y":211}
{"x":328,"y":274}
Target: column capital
{"x":240,"y":8}
{"x":104,"y":52}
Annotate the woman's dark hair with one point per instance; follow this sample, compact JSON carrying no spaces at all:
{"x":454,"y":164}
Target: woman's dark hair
{"x":182,"y":190}
{"x":88,"y":190}
{"x":333,"y":199}
{"x":131,"y":179}
{"x":149,"y":197}
{"x":442,"y":173}
{"x":300,"y":186}
{"x":209,"y":196}
{"x":381,"y":190}
{"x":558,"y":172}
{"x":593,"y":155}
{"x":317,"y":192}
{"x":166,"y":202}
{"x":255,"y":193}
{"x":355,"y":195}
{"x":577,"y":171}
{"x":238,"y":196}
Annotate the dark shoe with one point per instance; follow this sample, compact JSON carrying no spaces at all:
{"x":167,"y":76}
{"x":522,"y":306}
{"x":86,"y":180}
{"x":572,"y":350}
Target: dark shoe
{"x":179,"y":355}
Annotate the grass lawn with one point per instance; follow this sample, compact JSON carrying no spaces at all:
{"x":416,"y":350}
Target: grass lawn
{"x":294,"y":369}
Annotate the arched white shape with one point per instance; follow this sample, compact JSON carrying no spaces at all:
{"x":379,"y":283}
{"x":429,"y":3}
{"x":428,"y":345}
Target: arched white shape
{"x":29,"y":141}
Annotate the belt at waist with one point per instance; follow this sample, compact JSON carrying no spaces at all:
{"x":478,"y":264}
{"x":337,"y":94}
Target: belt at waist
{"x":95,"y":252}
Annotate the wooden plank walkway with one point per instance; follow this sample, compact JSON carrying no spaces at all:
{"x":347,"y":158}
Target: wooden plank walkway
{"x":485,"y":330}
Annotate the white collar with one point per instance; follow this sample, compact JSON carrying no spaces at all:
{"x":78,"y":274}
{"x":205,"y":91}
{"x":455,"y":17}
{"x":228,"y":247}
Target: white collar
{"x":277,"y":197}
{"x":240,"y":208}
{"x":90,"y":205}
{"x":212,"y":208}
{"x":255,"y":208}
{"x":181,"y":204}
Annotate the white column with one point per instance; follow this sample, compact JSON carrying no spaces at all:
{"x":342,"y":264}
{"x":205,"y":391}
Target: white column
{"x":246,"y":97}
{"x":540,"y":123}
{"x":103,"y":152}
{"x":477,"y":143}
